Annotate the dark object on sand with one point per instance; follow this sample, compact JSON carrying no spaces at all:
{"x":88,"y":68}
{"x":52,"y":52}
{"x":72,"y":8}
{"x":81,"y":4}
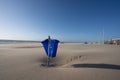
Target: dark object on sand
{"x":85,"y":42}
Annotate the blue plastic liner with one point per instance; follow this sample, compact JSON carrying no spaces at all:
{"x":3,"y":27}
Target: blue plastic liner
{"x":50,"y":47}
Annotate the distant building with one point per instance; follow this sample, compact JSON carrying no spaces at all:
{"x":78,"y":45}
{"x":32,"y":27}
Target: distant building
{"x":116,"y":41}
{"x":113,"y":41}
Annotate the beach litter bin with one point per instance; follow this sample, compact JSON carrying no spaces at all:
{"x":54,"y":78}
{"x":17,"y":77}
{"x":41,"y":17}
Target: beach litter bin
{"x":50,"y":46}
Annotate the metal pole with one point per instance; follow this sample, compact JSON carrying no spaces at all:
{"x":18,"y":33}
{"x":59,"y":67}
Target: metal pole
{"x":48,"y":58}
{"x":103,"y":35}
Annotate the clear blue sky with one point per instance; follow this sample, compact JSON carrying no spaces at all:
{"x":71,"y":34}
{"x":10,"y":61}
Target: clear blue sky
{"x":66,"y":20}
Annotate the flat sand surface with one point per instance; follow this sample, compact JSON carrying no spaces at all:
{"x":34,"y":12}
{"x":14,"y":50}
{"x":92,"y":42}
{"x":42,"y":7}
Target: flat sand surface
{"x":74,"y":61}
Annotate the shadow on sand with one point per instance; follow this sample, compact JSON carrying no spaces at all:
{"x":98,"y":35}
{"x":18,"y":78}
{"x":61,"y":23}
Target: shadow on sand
{"x":105,"y":66}
{"x":53,"y":62}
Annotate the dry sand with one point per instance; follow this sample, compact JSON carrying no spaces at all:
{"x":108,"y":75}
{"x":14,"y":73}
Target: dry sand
{"x":74,"y":61}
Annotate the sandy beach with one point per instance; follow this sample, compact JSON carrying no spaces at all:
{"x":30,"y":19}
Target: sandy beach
{"x":74,"y":61}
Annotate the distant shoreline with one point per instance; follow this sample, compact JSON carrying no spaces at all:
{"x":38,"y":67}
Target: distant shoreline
{"x":17,"y":41}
